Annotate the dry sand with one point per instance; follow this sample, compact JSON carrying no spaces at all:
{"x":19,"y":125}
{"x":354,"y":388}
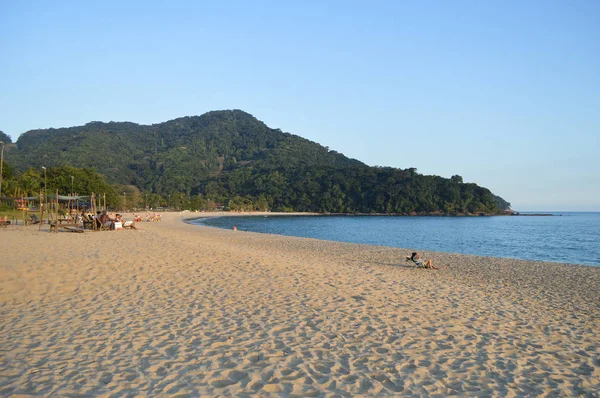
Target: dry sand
{"x":179,"y":310}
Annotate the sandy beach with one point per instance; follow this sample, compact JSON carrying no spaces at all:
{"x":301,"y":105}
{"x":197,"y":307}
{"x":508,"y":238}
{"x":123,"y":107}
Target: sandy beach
{"x":173,"y":309}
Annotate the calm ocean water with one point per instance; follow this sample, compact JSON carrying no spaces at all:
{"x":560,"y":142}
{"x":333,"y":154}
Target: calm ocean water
{"x":566,"y":237}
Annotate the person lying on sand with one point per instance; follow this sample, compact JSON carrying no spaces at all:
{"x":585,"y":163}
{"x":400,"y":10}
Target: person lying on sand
{"x":416,"y":258}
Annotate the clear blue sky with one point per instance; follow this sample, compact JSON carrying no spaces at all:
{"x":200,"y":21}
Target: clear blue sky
{"x":504,"y":93}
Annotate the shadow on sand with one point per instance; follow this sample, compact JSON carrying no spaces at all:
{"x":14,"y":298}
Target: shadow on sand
{"x":380,"y":263}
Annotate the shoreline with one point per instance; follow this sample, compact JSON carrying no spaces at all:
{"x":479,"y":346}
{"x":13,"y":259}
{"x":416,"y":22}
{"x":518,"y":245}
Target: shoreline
{"x":175,"y":308}
{"x":210,"y":215}
{"x":435,"y":214}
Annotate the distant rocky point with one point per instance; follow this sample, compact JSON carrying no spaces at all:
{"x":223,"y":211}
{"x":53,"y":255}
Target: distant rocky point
{"x":516,"y":213}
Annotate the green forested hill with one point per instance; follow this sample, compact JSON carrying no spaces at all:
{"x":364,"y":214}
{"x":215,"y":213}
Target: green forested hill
{"x":230,"y":156}
{"x":172,"y":156}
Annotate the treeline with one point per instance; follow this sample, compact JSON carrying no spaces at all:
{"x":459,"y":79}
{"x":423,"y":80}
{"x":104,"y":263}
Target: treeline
{"x":67,"y":180}
{"x":71,"y":180}
{"x":307,"y":189}
{"x":349,"y":190}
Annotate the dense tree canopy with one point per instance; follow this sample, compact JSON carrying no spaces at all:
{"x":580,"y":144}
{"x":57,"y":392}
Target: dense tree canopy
{"x":351,"y":190}
{"x":5,"y":138}
{"x":66,"y":180}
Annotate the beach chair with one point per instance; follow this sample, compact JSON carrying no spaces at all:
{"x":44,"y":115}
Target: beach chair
{"x":34,"y":219}
{"x":106,"y":226}
{"x":4,"y":222}
{"x":88,"y":221}
{"x":102,"y":227}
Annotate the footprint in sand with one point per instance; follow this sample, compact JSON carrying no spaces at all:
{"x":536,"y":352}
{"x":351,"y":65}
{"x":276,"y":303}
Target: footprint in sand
{"x":222,"y":383}
{"x":236,"y":375}
{"x":105,"y":378}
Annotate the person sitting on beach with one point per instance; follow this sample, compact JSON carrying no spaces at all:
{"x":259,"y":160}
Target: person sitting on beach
{"x":128,"y":222}
{"x":96,"y":218}
{"x":105,"y":220}
{"x":416,"y":259}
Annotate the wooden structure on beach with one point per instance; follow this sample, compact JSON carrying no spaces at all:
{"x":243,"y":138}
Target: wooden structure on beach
{"x":49,"y":205}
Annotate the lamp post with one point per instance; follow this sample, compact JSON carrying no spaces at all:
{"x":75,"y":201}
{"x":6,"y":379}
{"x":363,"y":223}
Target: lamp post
{"x":44,"y":179}
{"x":45,"y":195}
{"x":73,"y":204}
{"x":45,"y":187}
{"x":1,"y":164}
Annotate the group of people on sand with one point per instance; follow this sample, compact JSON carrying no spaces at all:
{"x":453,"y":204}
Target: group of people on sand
{"x":103,"y":219}
{"x":110,"y":220}
{"x":150,"y":217}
